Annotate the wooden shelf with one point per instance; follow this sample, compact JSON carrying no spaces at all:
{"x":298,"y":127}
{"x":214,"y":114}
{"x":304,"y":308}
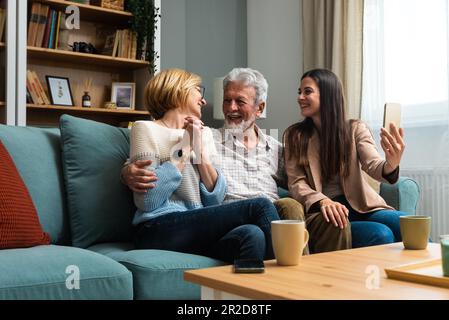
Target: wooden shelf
{"x":48,"y":116}
{"x":2,"y":45}
{"x":2,"y":103}
{"x":84,"y":58}
{"x":118,"y":112}
{"x":92,"y":13}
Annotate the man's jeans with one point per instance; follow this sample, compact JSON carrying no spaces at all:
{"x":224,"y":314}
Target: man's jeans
{"x":237,"y":230}
{"x":374,"y":228}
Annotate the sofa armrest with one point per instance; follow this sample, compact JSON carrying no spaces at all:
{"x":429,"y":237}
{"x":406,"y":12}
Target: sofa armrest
{"x":403,"y":195}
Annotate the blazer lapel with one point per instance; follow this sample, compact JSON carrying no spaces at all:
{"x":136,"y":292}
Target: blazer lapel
{"x":313,"y":155}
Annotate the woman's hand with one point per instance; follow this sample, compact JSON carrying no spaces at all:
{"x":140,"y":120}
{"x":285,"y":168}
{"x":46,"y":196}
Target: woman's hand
{"x":193,"y":134}
{"x":335,"y":212}
{"x":193,"y":127}
{"x":192,"y":139}
{"x":208,"y":174}
{"x":393,"y":146}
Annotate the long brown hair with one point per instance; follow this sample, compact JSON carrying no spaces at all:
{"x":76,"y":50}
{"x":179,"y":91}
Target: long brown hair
{"x":335,"y":135}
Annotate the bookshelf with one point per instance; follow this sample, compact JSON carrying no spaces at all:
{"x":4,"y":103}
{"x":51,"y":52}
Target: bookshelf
{"x":102,"y":69}
{"x":76,"y":57}
{"x":47,"y":115}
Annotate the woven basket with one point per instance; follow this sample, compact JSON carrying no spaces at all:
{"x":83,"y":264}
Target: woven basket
{"x":110,"y":4}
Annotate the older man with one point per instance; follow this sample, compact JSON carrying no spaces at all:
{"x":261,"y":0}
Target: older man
{"x":251,"y":161}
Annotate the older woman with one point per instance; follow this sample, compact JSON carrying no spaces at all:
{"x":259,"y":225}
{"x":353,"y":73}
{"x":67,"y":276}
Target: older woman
{"x":183,"y":212}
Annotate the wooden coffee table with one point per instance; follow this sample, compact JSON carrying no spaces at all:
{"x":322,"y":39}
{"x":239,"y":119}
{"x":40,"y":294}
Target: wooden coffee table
{"x":346,"y":274}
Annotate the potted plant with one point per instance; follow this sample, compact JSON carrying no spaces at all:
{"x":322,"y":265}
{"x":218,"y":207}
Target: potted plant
{"x":144,"y":24}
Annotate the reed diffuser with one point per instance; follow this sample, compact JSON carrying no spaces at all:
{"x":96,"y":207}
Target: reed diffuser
{"x":86,"y":102}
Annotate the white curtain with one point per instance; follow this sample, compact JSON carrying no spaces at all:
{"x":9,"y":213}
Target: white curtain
{"x":405,"y":55}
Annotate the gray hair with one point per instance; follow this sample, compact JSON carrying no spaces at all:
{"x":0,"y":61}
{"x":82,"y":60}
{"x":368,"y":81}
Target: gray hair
{"x":249,"y":77}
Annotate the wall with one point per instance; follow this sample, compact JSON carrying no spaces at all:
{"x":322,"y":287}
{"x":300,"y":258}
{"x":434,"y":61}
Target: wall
{"x":274,"y":48}
{"x":173,"y":34}
{"x":210,"y":37}
{"x":207,"y":37}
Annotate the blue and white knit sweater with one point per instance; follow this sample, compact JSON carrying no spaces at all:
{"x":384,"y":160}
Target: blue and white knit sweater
{"x":174,"y":191}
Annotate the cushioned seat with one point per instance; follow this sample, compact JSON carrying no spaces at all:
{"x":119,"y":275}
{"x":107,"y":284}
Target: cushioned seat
{"x":40,"y":273}
{"x":157,"y":274}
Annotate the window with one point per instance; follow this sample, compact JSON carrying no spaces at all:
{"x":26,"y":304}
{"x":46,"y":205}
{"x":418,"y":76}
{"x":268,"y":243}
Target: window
{"x":405,"y":55}
{"x":406,"y":60}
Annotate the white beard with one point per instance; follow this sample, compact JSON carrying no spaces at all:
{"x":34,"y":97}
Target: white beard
{"x":239,"y":129}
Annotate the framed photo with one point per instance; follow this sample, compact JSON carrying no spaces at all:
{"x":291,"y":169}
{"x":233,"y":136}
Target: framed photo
{"x":123,"y":94}
{"x":60,"y":92}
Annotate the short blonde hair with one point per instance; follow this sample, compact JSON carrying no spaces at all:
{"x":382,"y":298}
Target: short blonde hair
{"x":168,"y":90}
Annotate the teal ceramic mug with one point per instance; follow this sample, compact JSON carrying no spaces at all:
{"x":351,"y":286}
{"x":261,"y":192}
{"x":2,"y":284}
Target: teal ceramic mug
{"x":445,"y":254}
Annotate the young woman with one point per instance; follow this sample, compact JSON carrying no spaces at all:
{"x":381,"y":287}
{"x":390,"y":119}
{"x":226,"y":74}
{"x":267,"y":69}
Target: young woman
{"x":182,"y":212}
{"x":325,"y":157}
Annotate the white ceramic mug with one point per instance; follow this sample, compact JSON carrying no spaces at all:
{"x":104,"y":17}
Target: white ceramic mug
{"x":289,"y":240}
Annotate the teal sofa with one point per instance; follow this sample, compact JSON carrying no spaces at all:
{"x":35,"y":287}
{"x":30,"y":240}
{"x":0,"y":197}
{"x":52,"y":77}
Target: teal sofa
{"x":73,"y":176}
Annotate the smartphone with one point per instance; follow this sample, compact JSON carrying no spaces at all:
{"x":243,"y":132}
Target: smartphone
{"x":392,"y":114}
{"x":248,"y":266}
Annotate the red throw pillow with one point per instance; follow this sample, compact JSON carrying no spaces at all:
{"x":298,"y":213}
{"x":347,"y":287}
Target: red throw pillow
{"x":19,"y":223}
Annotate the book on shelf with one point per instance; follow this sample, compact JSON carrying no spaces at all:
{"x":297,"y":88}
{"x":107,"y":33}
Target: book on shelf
{"x":55,"y":43}
{"x":29,"y":99}
{"x":47,"y":30}
{"x":33,"y":23}
{"x":41,"y":25}
{"x":33,"y":92}
{"x":2,"y":22}
{"x":116,"y":43}
{"x":51,"y":38}
{"x":121,"y":44}
{"x":50,"y":30}
{"x":35,"y":89}
{"x":134,"y":46}
{"x":40,"y":88}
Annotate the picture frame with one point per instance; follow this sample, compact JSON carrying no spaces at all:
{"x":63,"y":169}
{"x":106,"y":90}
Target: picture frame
{"x":124,"y":94}
{"x":59,"y":90}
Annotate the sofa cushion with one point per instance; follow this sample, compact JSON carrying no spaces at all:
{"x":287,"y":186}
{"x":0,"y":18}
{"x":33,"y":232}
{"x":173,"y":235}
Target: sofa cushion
{"x":37,"y":155}
{"x":19,"y":223}
{"x":50,"y":272}
{"x":100,"y":206}
{"x":158,"y":274}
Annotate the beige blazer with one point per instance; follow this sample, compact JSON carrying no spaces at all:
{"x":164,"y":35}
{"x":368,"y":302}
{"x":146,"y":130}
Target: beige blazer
{"x":304,"y":183}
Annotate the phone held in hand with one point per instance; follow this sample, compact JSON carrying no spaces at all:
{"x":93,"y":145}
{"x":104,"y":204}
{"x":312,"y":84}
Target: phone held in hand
{"x":392,"y":114}
{"x":249,"y":266}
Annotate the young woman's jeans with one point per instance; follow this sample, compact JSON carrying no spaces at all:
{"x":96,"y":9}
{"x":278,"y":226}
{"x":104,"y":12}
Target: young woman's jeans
{"x":374,"y":228}
{"x":237,"y":230}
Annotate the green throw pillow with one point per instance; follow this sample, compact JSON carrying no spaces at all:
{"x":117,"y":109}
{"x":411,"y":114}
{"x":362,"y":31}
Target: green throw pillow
{"x":100,"y":206}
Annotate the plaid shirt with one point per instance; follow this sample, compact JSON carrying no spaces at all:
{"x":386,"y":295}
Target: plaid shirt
{"x":250,"y":173}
